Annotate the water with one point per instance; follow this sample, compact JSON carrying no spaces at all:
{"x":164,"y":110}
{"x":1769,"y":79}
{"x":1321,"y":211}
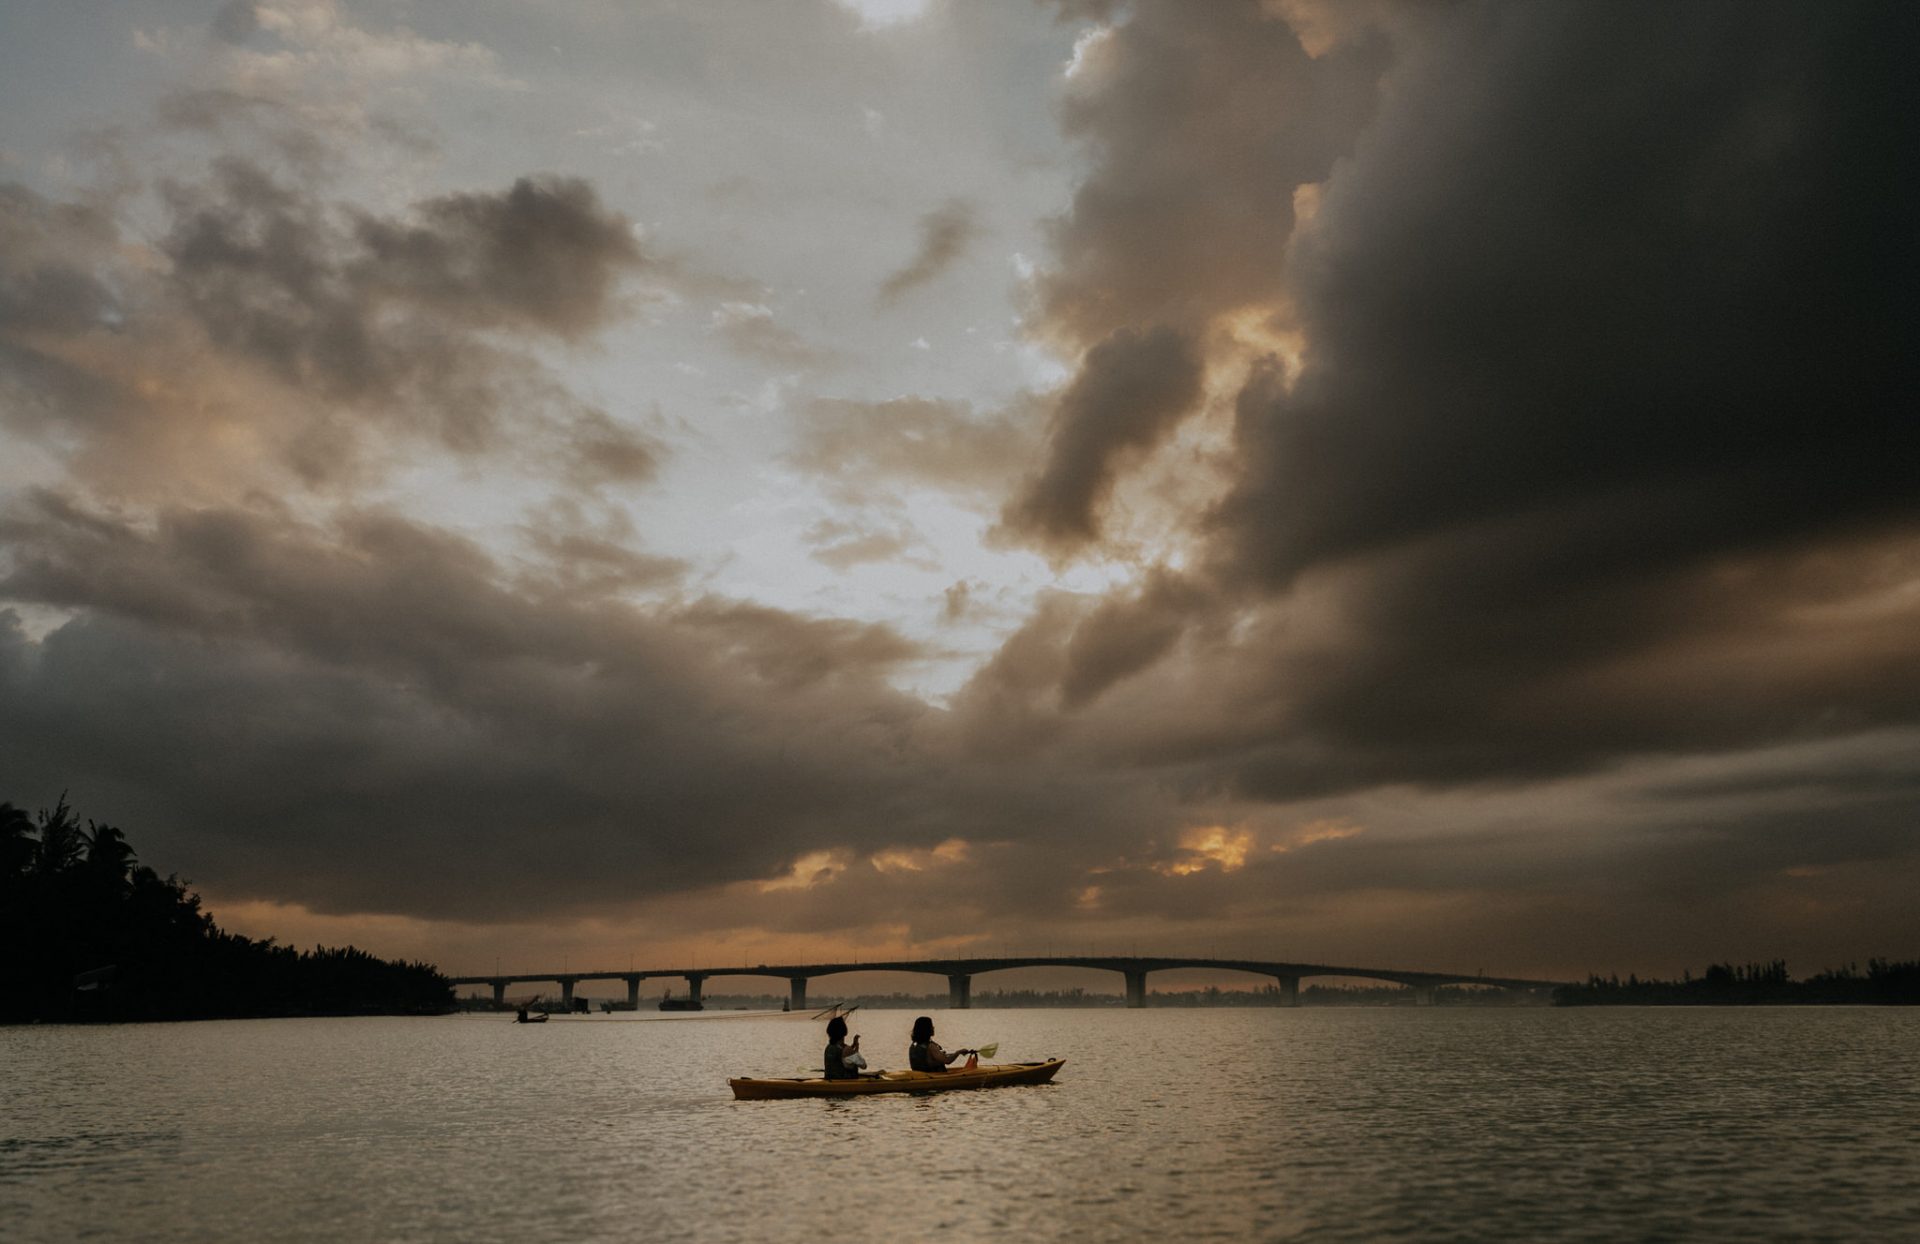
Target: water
{"x":1224,"y":1124}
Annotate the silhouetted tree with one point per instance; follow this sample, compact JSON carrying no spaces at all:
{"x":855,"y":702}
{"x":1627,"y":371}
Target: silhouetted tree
{"x":108,"y":854}
{"x":87,"y":932}
{"x":61,"y":843}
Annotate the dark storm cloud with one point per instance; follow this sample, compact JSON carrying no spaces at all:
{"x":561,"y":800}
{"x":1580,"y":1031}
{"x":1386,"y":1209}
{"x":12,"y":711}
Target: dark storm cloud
{"x":945,"y":234}
{"x":1599,"y":447}
{"x":371,"y":716}
{"x":1602,"y":442}
{"x":1125,"y":635}
{"x":1131,"y":389}
{"x":1554,"y":284}
{"x":789,"y":651}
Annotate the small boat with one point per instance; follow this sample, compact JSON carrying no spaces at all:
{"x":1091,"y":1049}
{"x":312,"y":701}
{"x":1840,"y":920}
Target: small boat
{"x":992,"y":1076}
{"x":680,"y":1004}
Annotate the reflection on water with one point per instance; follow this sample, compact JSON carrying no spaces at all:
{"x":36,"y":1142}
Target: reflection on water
{"x":1336,"y":1124}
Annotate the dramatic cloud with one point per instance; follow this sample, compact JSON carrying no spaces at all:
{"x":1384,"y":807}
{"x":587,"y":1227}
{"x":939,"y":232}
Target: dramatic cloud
{"x":1440,"y":492}
{"x":1546,"y":489}
{"x":356,"y":706}
{"x":1205,"y":122}
{"x":1582,"y":447}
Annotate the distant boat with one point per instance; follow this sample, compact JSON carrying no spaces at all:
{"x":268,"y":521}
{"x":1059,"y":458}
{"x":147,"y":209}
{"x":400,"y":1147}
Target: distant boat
{"x":670,"y":1003}
{"x":538,"y":1017}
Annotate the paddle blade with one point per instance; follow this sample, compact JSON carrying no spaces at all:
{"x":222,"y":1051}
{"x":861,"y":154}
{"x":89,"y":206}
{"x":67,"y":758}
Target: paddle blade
{"x":988,"y":1051}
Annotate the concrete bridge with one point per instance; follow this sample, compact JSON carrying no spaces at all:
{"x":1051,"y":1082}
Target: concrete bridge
{"x":960,"y":974}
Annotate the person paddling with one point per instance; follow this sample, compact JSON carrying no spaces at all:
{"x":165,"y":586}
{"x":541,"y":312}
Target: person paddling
{"x":925,"y":1054}
{"x":843,"y":1058}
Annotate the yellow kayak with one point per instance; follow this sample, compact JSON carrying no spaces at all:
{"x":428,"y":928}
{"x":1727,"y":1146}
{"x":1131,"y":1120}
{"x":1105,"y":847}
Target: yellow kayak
{"x":992,"y":1076}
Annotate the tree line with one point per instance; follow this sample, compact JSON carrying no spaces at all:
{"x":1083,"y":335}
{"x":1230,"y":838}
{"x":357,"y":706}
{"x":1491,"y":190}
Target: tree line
{"x":1884,"y":983}
{"x":88,"y":933}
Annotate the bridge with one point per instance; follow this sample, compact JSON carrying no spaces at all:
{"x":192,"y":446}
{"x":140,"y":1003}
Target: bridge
{"x":960,"y":974}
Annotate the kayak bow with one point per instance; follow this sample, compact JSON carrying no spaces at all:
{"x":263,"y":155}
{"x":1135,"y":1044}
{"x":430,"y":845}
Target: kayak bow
{"x":899,"y":1082}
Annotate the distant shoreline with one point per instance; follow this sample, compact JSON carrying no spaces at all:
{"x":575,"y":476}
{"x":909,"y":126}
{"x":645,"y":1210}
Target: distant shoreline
{"x":1884,"y":983}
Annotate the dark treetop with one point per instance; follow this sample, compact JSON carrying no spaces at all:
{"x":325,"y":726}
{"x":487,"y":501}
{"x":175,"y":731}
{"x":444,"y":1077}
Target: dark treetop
{"x":88,"y":933}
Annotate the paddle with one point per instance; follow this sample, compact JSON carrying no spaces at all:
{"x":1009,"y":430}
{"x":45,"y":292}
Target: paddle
{"x":839,"y":1008}
{"x":985,"y":1051}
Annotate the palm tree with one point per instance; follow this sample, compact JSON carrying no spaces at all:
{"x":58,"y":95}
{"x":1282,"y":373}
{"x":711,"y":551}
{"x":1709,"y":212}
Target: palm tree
{"x":107,"y":851}
{"x":61,"y":843}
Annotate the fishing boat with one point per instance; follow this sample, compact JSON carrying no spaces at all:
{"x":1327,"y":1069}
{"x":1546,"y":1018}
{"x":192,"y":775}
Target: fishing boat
{"x":991,"y":1076}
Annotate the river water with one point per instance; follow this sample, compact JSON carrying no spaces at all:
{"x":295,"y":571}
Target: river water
{"x":1329,"y":1124}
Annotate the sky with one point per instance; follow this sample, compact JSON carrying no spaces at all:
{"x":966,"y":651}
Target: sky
{"x":529,"y":483}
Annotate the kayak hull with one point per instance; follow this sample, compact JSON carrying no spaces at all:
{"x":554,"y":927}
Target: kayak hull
{"x":995,"y":1076}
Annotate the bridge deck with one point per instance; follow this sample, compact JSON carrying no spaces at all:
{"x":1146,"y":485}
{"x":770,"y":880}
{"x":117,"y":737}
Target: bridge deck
{"x":968,"y":967}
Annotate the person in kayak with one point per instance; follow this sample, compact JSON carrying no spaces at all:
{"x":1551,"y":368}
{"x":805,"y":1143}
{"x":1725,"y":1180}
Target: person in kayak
{"x":843,"y":1058}
{"x":925,"y":1054}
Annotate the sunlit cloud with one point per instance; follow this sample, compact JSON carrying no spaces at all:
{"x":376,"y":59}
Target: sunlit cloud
{"x":815,"y":868}
{"x":1209,"y":847}
{"x":1327,"y":830}
{"x":1086,"y":52}
{"x":898,"y":859}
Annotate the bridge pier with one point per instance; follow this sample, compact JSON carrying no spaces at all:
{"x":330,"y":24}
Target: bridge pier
{"x":960,"y":993}
{"x":1423,"y":994}
{"x":566,"y":992}
{"x":499,"y":995}
{"x":633,"y":993}
{"x":693,"y":988}
{"x":797,"y":993}
{"x":1289,"y":990}
{"x":1136,"y":988}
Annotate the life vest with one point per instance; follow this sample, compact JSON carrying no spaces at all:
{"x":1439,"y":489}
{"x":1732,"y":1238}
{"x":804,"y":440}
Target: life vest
{"x":920,"y":1059}
{"x":835,"y":1063}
